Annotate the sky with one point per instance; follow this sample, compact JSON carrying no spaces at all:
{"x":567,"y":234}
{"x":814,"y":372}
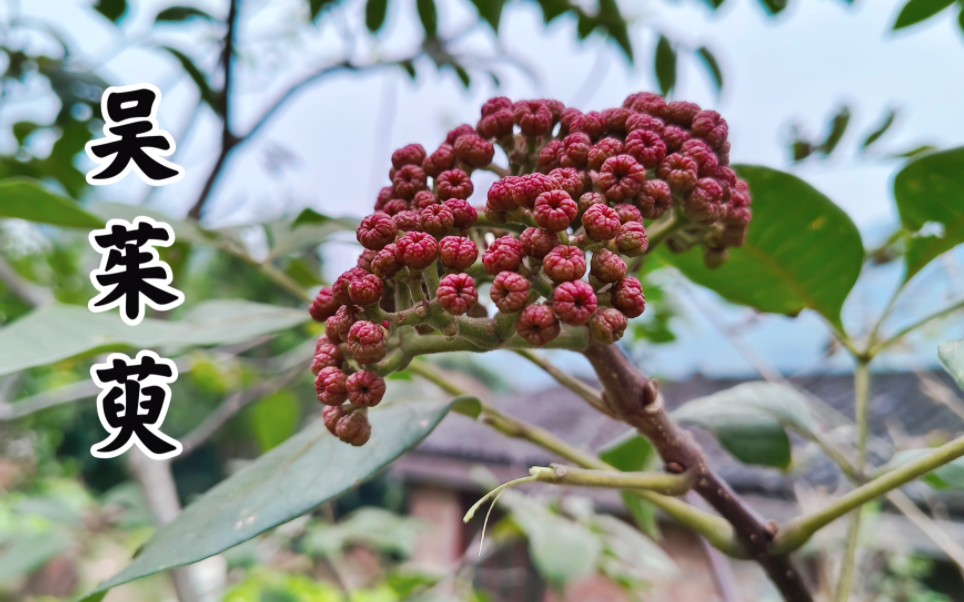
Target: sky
{"x":329,"y":148}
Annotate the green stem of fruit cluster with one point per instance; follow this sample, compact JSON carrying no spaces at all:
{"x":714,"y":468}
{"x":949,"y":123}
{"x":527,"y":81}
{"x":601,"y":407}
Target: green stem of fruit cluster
{"x":667,"y":484}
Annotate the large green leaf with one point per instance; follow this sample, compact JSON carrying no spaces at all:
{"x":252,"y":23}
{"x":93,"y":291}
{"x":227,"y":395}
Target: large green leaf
{"x":930,"y":199}
{"x":307,"y":470}
{"x":915,"y":11}
{"x":665,"y":65}
{"x":26,"y":199}
{"x":58,"y":332}
{"x":635,"y":454}
{"x":802,"y":251}
{"x":751,"y":420}
{"x":952,"y":356}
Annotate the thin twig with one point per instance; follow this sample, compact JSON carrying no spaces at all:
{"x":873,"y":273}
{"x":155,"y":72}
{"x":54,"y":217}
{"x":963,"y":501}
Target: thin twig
{"x":591,"y":395}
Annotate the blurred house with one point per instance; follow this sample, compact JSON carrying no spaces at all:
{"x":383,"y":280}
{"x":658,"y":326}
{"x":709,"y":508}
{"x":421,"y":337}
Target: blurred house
{"x":914,"y":410}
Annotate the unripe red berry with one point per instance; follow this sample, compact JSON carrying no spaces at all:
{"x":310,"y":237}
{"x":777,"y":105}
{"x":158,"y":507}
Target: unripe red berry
{"x":709,"y":126}
{"x":628,"y":297}
{"x":646,"y":146}
{"x":408,"y":180}
{"x":534,"y":118}
{"x":627,"y":213}
{"x":538,"y":324}
{"x":324,"y":305}
{"x":644,"y":121}
{"x":459,"y":131}
{"x":504,"y":254}
{"x":680,"y":172}
{"x":674,"y":137}
{"x":591,"y":124}
{"x":376,"y":230}
{"x":366,"y":342}
{"x":570,"y":179}
{"x":555,"y":210}
{"x":576,"y":149}
{"x":454,"y":184}
{"x":354,"y":429}
{"x":496,"y":104}
{"x":365,"y":388}
{"x":606,"y":266}
{"x":645,"y":102}
{"x":700,"y":152}
{"x":681,"y":113}
{"x":703,"y":205}
{"x":574,"y":302}
{"x":603,"y":150}
{"x":501,"y":195}
{"x":457,"y":294}
{"x":458,"y":252}
{"x":464,"y":214}
{"x":621,"y":178}
{"x":413,"y":154}
{"x":330,"y":386}
{"x":385,"y":194}
{"x":589,"y":199}
{"x":331,"y":415}
{"x":395,"y":206}
{"x":526,"y":190}
{"x":632,"y":239}
{"x":550,"y":156}
{"x":568,"y":119}
{"x":564,"y":263}
{"x":439,"y":161}
{"x":615,"y":120}
{"x":366,"y":290}
{"x":416,"y":250}
{"x":340,"y":287}
{"x":496,"y":125}
{"x":601,"y":222}
{"x":385,"y":263}
{"x":510,"y":292}
{"x":537,"y":242}
{"x":607,"y":325}
{"x":422,"y":199}
{"x":407,"y":221}
{"x":654,"y":199}
{"x":436,"y":219}
{"x":365,"y":259}
{"x":327,"y":355}
{"x":337,"y":326}
{"x":474,"y":150}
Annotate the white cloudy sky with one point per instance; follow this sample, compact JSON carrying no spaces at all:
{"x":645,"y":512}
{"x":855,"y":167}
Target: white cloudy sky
{"x":339,"y":134}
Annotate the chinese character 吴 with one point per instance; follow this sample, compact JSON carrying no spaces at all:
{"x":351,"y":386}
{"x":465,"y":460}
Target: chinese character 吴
{"x":131,"y":274}
{"x":133,"y":138}
{"x":133,"y":403}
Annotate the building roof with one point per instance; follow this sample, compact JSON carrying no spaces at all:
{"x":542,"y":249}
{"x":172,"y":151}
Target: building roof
{"x":902,"y":410}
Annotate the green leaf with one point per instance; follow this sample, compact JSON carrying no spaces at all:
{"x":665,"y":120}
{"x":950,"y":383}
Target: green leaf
{"x":585,"y":25}
{"x":275,"y":418}
{"x":375,"y":12}
{"x":178,"y":14}
{"x":27,"y":199}
{"x":562,"y":550}
{"x":553,"y":9}
{"x":838,"y":126}
{"x":633,"y":455}
{"x":930,"y":200}
{"x":916,"y":11}
{"x":112,"y":9}
{"x":948,"y":476}
{"x":714,"y":4}
{"x":665,"y":64}
{"x":409,"y":68}
{"x":952,"y":357}
{"x":750,"y":420}
{"x":463,"y":76}
{"x":305,"y":471}
{"x":712,"y":66}
{"x":774,"y":7}
{"x":428,"y":15}
{"x":915,"y":152}
{"x":57,"y":332}
{"x":802,"y":251}
{"x":208,"y":94}
{"x":611,"y":17}
{"x":881,"y":129}
{"x":315,"y":8}
{"x":490,"y":11}
{"x":467,"y":406}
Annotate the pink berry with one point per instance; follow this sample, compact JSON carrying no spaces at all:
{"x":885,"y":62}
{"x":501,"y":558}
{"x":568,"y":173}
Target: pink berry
{"x":330,"y":386}
{"x":366,"y":342}
{"x":621,"y":178}
{"x":365,"y":388}
{"x":474,"y":150}
{"x":336,"y":327}
{"x":457,"y":294}
{"x":555,"y":210}
{"x":413,"y":154}
{"x":537,"y":242}
{"x":354,"y":429}
{"x":436,"y":219}
{"x":510,"y":292}
{"x":324,"y":305}
{"x":504,"y":254}
{"x":464,"y":214}
{"x":458,"y":252}
{"x":628,"y":297}
{"x":416,"y":250}
{"x":376,"y":231}
{"x":647,"y":147}
{"x":570,"y":179}
{"x":680,"y":172}
{"x":632,"y":239}
{"x":454,"y":184}
{"x":601,"y":222}
{"x":439,"y":161}
{"x":408,"y":180}
{"x":565,"y":263}
{"x":366,"y":290}
{"x":385,"y":263}
{"x":606,"y":266}
{"x":574,"y":302}
{"x":607,"y":325}
{"x":538,"y":324}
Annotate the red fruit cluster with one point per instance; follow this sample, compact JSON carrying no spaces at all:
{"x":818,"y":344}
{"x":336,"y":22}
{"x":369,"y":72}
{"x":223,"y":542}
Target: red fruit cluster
{"x":556,"y":240}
